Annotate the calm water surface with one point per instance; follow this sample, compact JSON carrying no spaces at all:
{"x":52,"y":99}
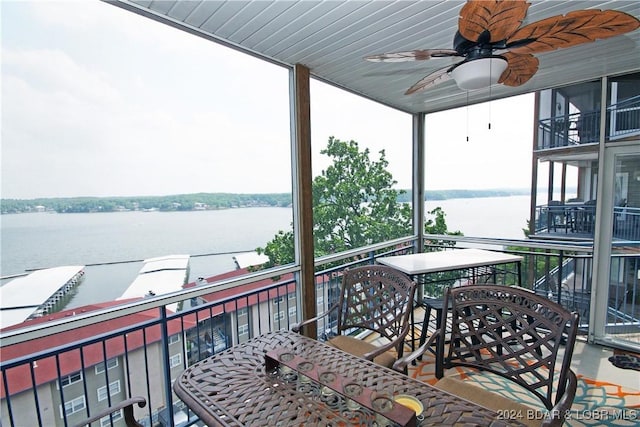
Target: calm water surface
{"x":41,"y":240}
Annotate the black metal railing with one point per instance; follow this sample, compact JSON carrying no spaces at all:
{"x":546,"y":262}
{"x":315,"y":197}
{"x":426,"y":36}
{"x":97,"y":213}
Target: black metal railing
{"x":569,"y":130}
{"x":623,"y":119}
{"x":578,"y":220}
{"x":56,"y":373}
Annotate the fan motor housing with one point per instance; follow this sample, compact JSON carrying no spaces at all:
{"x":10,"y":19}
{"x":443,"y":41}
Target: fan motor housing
{"x":476,"y":49}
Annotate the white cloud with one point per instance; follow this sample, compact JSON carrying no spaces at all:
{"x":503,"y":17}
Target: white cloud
{"x":100,"y":101}
{"x":63,"y":74}
{"x":499,"y":157}
{"x":159,"y":114}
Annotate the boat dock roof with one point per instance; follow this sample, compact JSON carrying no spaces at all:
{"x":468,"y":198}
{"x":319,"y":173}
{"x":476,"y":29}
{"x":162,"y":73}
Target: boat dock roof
{"x":23,"y":297}
{"x":250,"y":259}
{"x":159,"y":275}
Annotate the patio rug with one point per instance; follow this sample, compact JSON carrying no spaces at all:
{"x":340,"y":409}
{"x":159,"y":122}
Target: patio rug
{"x":597,"y":402}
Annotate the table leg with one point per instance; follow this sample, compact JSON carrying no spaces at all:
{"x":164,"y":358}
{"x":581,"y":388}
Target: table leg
{"x":519,"y":266}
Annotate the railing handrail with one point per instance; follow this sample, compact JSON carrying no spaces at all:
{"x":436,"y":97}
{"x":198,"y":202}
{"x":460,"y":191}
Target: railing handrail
{"x":632,"y":102}
{"x":585,"y":247}
{"x":140,"y":325}
{"x":370,"y":248}
{"x":628,"y":103}
{"x":31,"y":332}
{"x":27,"y":333}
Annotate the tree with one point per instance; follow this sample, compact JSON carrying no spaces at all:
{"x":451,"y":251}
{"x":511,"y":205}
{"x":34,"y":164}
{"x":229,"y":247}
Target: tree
{"x":354,"y":205}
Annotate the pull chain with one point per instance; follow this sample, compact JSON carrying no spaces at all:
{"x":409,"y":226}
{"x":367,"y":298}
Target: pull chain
{"x":467,"y":112}
{"x":490,"y":85}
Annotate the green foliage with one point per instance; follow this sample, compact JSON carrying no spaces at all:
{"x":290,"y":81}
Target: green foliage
{"x":353,"y":202}
{"x":280,"y":250}
{"x":354,"y":205}
{"x":537,"y":263}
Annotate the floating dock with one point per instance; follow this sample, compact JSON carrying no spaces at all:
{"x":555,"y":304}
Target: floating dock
{"x":158,"y":276}
{"x":37,"y":294}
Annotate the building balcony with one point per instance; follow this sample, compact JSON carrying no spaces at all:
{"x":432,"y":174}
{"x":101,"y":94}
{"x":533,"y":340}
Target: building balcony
{"x":576,"y":221}
{"x":65,"y":367}
{"x":577,"y":129}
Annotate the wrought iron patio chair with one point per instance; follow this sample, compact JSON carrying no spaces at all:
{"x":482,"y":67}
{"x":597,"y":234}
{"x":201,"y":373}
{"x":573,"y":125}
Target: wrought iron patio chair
{"x":126,"y":406}
{"x":375,"y":298}
{"x":515,"y":334}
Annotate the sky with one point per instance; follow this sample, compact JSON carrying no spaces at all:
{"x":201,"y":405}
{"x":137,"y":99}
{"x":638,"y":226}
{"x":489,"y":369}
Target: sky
{"x":98,"y":101}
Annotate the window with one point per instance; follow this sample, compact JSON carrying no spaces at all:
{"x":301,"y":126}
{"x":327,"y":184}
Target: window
{"x":278,"y":300}
{"x":292,"y":311}
{"x":71,"y":378}
{"x":624,"y":106}
{"x":111,"y":363}
{"x":73,"y":406}
{"x":176,"y":360}
{"x":106,"y":422}
{"x":114,"y":389}
{"x":279,"y":316}
{"x":243,"y":329}
{"x":242,"y":311}
{"x":174,"y":339}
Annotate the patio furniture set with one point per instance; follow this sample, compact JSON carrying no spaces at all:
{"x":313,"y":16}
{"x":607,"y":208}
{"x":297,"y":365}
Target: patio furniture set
{"x":286,"y":378}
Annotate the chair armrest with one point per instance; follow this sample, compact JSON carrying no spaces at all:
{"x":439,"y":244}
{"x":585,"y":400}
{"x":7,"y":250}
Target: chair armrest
{"x":127,"y":405}
{"x":382,"y":348}
{"x":389,"y":345}
{"x":297,"y":327}
{"x":558,"y":412}
{"x":401,"y":364}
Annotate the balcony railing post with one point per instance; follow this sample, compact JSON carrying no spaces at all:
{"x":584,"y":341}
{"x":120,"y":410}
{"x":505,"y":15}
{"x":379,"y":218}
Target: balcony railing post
{"x":560,"y":262}
{"x":166,"y":362}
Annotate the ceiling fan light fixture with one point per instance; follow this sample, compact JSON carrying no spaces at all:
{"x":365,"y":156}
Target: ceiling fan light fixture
{"x":479,"y":73}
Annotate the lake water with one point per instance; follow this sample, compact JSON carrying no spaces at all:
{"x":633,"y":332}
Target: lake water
{"x":41,"y":240}
{"x":499,"y":217}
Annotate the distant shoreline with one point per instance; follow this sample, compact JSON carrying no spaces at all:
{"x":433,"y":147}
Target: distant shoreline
{"x":206,"y":201}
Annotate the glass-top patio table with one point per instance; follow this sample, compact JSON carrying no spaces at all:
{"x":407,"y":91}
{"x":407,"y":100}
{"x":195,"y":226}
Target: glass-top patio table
{"x":246,"y":385}
{"x":425,"y":264}
{"x":450,"y":260}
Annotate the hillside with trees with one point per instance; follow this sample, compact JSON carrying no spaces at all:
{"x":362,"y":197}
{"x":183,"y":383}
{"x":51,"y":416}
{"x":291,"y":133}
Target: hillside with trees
{"x":180,"y":202}
{"x":203,"y":201}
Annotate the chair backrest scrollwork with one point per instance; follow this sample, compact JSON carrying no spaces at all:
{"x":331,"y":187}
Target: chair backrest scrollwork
{"x":511,"y":332}
{"x":377,"y":298}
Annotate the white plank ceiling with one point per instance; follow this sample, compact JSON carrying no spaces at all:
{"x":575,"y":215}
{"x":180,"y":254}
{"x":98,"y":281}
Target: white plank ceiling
{"x":332,"y":38}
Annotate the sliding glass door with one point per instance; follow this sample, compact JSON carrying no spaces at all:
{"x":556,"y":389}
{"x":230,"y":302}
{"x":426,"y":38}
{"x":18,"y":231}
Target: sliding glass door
{"x":616,"y":318}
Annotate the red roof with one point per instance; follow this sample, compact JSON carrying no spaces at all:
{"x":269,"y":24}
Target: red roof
{"x":275,"y":292}
{"x":249,"y":287}
{"x":19,"y":378}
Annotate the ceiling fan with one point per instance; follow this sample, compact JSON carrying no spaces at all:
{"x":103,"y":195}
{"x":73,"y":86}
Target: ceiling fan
{"x":497,"y":50}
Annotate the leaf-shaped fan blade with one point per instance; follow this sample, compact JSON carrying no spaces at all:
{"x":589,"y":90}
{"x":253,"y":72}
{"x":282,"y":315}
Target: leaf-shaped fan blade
{"x":520,"y":68}
{"x":500,"y":18}
{"x":574,"y":28}
{"x":412,"y":55}
{"x":435,"y":78}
